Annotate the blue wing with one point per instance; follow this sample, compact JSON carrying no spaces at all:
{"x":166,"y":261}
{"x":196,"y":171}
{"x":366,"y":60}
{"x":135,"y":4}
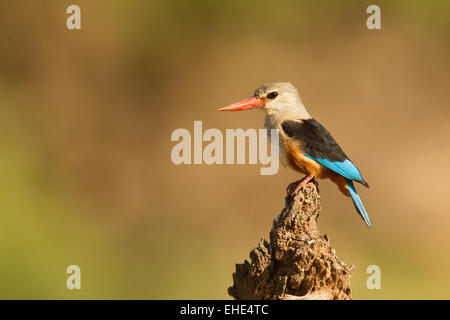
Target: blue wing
{"x":318,"y":145}
{"x":348,"y":170}
{"x":345,"y":168}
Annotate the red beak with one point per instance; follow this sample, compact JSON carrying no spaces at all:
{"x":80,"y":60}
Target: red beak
{"x":247,"y":104}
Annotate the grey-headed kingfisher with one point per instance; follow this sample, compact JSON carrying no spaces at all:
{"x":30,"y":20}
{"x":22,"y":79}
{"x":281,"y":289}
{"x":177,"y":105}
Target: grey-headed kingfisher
{"x":305,"y":145}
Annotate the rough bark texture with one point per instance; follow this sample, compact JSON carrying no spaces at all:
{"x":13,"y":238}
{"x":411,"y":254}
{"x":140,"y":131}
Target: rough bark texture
{"x":298,"y":263}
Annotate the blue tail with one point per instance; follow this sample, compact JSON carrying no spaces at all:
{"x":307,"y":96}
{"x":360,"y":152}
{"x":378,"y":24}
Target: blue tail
{"x":357,"y":202}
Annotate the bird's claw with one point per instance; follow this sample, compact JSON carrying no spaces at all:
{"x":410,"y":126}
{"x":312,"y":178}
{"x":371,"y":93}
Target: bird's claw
{"x":304,"y":183}
{"x":300,"y":186}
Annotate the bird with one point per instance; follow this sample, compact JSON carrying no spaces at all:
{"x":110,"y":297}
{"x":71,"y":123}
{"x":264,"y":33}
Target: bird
{"x":305,"y":145}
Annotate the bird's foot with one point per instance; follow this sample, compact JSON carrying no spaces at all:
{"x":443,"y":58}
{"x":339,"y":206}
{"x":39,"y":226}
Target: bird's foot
{"x":304,"y":183}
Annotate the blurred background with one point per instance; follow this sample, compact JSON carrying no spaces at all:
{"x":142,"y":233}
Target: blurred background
{"x":86,"y":117}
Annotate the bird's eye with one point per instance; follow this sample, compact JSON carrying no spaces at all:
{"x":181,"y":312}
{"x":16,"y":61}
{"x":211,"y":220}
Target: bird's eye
{"x":272,"y":95}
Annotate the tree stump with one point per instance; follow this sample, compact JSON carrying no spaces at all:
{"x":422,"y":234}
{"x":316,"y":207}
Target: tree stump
{"x":298,"y":263}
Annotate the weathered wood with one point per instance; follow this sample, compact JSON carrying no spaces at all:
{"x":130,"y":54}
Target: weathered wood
{"x":298,"y":263}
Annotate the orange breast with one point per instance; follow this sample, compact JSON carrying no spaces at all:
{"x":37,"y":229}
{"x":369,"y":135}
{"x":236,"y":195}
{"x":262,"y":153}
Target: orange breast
{"x":299,"y":162}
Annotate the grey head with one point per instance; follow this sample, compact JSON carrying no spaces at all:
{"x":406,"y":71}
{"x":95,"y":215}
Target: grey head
{"x":283,"y":100}
{"x":279,"y":100}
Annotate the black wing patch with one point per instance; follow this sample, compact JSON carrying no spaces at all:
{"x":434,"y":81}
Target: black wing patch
{"x":316,"y":140}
